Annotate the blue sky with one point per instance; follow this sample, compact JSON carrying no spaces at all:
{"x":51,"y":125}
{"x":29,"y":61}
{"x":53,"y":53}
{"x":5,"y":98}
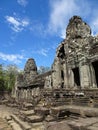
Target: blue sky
{"x":34,"y":28}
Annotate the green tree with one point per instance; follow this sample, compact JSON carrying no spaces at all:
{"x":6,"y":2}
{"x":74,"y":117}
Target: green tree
{"x":11,"y":72}
{"x":2,"y":86}
{"x":8,"y":76}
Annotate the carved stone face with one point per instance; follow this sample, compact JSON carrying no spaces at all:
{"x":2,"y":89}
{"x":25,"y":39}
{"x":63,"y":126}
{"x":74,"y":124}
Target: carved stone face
{"x":77,"y":28}
{"x":30,"y":70}
{"x":30,"y":65}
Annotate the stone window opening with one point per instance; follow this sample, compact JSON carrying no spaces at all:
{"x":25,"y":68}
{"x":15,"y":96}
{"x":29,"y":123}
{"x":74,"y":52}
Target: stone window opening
{"x":76,"y":76}
{"x":95,"y":66}
{"x":61,"y":52}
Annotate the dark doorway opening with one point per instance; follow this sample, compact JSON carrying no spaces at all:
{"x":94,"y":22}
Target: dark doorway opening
{"x":95,"y":66}
{"x":62,"y":74}
{"x":76,"y":76}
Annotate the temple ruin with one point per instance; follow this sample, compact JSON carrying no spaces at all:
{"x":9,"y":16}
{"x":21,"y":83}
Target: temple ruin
{"x":74,"y":66}
{"x":66,"y":97}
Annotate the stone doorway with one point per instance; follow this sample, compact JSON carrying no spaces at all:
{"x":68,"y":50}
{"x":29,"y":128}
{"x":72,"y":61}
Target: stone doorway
{"x":76,"y":76}
{"x":95,"y":66}
{"x":62,"y":74}
{"x":62,"y":77}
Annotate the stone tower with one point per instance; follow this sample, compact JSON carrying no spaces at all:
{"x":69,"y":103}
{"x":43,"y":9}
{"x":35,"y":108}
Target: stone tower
{"x":77,"y":28}
{"x":30,"y":71}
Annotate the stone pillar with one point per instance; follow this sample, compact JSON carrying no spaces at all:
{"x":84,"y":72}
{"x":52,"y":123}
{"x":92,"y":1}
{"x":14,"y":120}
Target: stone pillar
{"x":85,"y":77}
{"x":30,"y":93}
{"x":93,"y":78}
{"x":71,"y":78}
{"x":34,"y":92}
{"x":22,"y":96}
{"x":66,"y":76}
{"x":23,"y":93}
{"x":48,"y":82}
{"x":17,"y":94}
{"x":26,"y":94}
{"x":56,"y":75}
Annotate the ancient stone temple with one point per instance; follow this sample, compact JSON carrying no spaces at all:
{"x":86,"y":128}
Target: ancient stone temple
{"x":75,"y":65}
{"x":76,"y":58}
{"x":66,"y":97}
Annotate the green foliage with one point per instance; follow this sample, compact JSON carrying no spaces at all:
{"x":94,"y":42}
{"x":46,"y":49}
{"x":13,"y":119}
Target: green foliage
{"x":7,"y":77}
{"x":2,"y":87}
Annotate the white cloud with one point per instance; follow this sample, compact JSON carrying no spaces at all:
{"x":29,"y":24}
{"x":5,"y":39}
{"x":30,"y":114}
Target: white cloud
{"x":62,"y":10}
{"x":94,"y":25}
{"x":22,"y":2}
{"x":24,"y":23}
{"x":17,"y":24}
{"x":42,"y":51}
{"x":16,"y":59}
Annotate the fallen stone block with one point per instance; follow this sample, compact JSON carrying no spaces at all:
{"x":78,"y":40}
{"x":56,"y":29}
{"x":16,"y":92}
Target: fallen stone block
{"x":35,"y":118}
{"x":27,"y":113}
{"x":41,"y":111}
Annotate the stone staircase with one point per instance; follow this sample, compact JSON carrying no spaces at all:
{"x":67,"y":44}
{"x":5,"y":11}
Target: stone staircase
{"x":16,"y":123}
{"x":25,"y":120}
{"x":28,"y":117}
{"x":81,"y":101}
{"x":62,"y":101}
